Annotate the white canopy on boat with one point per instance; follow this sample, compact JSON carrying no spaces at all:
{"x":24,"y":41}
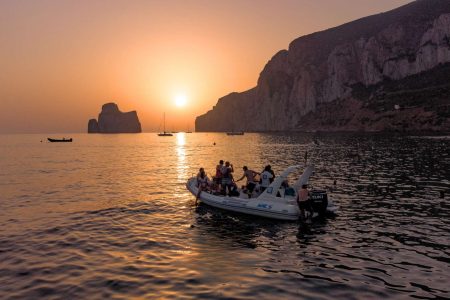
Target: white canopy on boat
{"x":276,"y":184}
{"x":304,"y":178}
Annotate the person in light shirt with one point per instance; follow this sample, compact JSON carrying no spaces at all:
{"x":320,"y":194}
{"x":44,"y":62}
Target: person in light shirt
{"x":250,"y":175}
{"x":227,"y":178}
{"x":218,"y":178}
{"x":203,"y":183}
{"x":266,"y":177}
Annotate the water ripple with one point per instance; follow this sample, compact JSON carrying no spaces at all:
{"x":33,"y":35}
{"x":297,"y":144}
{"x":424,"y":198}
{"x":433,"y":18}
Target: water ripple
{"x":109,"y":217}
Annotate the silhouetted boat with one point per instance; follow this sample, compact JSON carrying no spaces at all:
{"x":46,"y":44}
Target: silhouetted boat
{"x":235,"y":133}
{"x":63,"y":140}
{"x":164,"y":133}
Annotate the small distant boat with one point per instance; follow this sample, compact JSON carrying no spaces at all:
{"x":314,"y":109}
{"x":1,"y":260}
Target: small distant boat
{"x":164,"y":133}
{"x":63,"y":140}
{"x":235,"y":133}
{"x":188,"y":130}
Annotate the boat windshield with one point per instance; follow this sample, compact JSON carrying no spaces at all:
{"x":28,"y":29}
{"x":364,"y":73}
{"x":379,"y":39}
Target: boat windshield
{"x":276,"y":184}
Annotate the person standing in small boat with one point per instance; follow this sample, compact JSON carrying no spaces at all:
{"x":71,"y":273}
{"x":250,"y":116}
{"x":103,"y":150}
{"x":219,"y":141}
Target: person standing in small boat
{"x":266,"y":176}
{"x":227,"y":178}
{"x":271,"y":172}
{"x":202,"y":183}
{"x":251,"y":184}
{"x":269,"y":169}
{"x":303,"y":201}
{"x":218,"y":178}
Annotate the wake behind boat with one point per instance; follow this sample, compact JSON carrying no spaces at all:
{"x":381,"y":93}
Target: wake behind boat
{"x":275,"y":202}
{"x":63,"y":140}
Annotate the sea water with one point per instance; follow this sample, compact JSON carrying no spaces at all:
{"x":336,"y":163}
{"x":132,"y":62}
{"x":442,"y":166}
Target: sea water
{"x":109,"y":216}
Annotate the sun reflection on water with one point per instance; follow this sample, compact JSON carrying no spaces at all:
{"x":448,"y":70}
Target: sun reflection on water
{"x":181,"y":139}
{"x":182,"y":166}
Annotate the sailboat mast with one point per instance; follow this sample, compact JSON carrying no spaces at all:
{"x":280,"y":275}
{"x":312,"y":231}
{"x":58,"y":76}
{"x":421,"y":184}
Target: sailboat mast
{"x":164,"y":122}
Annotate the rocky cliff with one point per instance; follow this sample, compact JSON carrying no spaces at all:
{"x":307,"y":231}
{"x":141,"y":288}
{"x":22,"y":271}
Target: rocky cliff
{"x":112,"y":120}
{"x":341,"y":74}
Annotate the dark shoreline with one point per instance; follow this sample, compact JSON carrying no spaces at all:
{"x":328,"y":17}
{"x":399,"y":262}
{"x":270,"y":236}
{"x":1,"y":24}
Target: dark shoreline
{"x":384,"y":132}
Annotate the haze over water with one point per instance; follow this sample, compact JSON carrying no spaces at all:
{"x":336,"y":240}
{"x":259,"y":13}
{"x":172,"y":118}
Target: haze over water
{"x":61,"y":60}
{"x":108,"y":216}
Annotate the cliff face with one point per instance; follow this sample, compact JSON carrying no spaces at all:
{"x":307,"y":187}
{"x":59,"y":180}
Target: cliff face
{"x":112,"y":120}
{"x":323,"y":68}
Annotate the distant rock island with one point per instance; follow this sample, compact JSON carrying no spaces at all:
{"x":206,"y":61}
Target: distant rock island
{"x":112,"y":120}
{"x":386,"y":72}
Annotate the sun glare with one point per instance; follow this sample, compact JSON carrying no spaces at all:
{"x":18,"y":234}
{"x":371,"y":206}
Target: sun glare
{"x":180,"y":100}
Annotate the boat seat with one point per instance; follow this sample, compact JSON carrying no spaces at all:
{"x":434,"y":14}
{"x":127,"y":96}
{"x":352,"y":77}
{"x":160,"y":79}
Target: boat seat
{"x":286,"y":192}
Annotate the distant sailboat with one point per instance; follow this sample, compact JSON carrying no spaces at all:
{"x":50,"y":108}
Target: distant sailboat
{"x":164,"y":133}
{"x":189,"y":130}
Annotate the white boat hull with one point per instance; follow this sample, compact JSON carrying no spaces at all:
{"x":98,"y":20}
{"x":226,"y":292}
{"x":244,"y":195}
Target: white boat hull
{"x":275,"y":208}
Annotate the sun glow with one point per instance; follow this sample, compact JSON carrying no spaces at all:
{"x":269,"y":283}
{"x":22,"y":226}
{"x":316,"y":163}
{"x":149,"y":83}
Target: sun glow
{"x":180,"y":100}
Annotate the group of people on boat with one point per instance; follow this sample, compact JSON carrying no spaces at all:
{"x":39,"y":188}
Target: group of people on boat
{"x":223,"y":182}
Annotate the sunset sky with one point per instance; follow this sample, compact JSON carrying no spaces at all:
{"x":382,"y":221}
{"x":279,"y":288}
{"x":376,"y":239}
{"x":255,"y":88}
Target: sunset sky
{"x":61,"y":60}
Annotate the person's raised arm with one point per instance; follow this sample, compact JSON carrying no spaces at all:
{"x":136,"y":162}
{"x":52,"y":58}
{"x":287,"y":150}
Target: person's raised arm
{"x":241,"y":177}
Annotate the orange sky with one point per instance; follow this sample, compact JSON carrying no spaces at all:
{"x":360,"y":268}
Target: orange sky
{"x":61,"y":60}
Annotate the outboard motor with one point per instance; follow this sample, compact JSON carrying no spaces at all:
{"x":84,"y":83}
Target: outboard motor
{"x":319,"y":201}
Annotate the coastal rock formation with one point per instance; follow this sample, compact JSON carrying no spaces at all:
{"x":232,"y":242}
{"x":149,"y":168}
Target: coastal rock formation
{"x":329,"y":69}
{"x":112,"y":120}
{"x":93,"y":126}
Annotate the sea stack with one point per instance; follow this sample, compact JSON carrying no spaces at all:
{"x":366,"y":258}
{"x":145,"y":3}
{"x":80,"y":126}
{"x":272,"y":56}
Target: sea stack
{"x":112,"y":120}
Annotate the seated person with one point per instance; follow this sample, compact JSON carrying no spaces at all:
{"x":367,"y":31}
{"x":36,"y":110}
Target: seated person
{"x":203,"y":182}
{"x":234,"y":192}
{"x":288,"y":191}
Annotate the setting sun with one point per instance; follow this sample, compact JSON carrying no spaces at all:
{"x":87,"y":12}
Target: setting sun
{"x":180,"y":100}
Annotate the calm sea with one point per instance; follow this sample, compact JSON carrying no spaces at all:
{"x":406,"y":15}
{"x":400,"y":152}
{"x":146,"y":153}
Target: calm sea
{"x":108,"y":216}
